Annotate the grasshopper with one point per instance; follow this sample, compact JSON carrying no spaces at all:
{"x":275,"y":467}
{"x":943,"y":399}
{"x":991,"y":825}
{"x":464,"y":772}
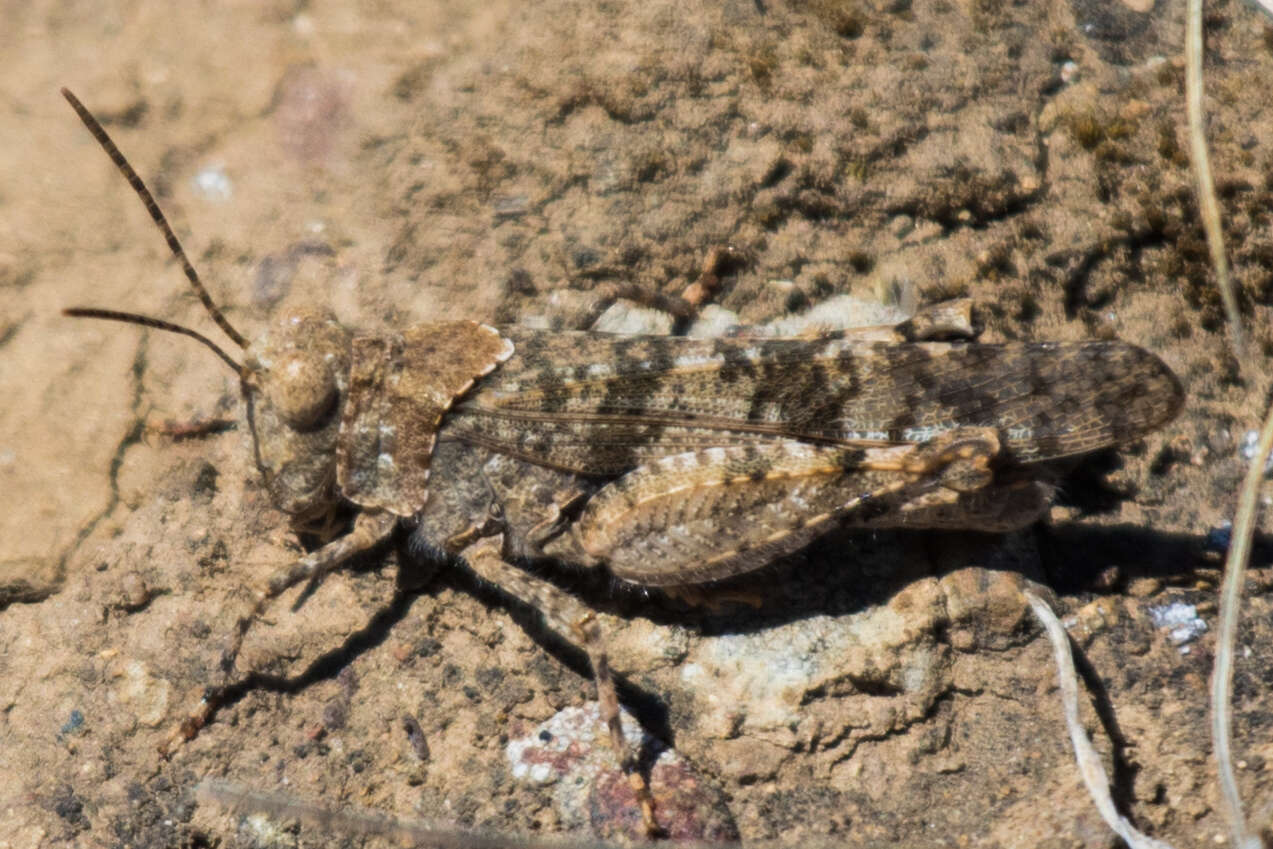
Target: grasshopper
{"x":670,"y":461}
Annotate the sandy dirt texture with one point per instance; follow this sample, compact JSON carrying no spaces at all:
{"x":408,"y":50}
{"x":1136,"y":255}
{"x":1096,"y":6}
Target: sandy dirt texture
{"x":506,"y":161}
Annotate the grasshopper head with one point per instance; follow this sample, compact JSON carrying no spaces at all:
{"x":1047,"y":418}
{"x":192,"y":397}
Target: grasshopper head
{"x":295,"y":377}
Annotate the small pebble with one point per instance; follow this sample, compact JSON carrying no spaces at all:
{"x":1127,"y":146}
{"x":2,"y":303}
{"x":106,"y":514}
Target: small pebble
{"x":415,"y":736}
{"x":73,"y":723}
{"x":1219,"y":537}
{"x":1251,"y":442}
{"x":133,"y":591}
{"x":1181,"y":620}
{"x":212,"y":183}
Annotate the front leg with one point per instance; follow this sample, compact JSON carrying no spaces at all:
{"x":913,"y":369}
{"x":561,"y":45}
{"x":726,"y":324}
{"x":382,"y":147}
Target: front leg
{"x":370,"y":528}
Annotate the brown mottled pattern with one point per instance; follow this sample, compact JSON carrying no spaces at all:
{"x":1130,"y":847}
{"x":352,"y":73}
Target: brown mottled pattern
{"x":400,"y":385}
{"x":297,"y":464}
{"x":711,"y":514}
{"x":597,"y":404}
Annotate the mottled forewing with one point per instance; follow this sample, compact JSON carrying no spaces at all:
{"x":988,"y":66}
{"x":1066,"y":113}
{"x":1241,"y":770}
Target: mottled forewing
{"x":597,"y":404}
{"x":400,"y":387}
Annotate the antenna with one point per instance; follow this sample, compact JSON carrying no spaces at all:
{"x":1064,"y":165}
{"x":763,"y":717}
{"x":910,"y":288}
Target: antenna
{"x":157,"y":323}
{"x":112,"y":150}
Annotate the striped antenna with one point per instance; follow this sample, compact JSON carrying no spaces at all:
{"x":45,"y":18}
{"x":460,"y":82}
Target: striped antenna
{"x":157,"y":323}
{"x":112,"y":150}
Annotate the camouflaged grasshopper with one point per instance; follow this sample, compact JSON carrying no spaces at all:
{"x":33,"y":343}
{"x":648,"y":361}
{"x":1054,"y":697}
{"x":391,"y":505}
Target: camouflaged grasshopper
{"x":669,"y":461}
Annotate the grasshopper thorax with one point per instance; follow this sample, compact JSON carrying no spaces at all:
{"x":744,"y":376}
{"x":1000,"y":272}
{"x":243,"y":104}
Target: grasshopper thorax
{"x":295,"y":378}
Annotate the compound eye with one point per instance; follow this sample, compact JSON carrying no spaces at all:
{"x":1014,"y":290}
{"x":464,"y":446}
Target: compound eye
{"x":301,"y":389}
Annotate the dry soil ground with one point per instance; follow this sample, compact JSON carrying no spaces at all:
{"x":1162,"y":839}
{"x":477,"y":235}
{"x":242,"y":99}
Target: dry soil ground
{"x":402,"y":161}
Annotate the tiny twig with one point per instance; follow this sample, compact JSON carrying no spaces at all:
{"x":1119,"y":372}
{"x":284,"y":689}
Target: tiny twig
{"x":361,"y":821}
{"x":1244,"y":521}
{"x":1089,"y":762}
{"x":1226,"y":637}
{"x":364,"y":822}
{"x":1208,"y":206}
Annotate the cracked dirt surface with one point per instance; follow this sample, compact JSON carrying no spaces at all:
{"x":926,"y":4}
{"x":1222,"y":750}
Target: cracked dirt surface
{"x":414,"y":161}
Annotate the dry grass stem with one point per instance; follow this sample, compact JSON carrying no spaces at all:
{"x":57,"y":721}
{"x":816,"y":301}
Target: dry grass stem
{"x":1089,"y":762}
{"x":1226,"y":638}
{"x":1208,"y":206}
